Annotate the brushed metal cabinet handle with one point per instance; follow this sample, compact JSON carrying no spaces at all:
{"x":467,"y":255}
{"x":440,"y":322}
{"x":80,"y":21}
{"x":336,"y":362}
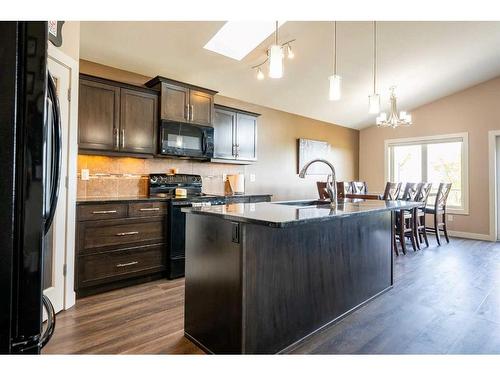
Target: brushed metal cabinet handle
{"x":127,"y":233}
{"x":186,"y":112}
{"x":123,"y":138}
{"x":117,"y":138}
{"x":127,"y":264}
{"x":192,"y":112}
{"x":104,"y":212}
{"x":150,"y":209}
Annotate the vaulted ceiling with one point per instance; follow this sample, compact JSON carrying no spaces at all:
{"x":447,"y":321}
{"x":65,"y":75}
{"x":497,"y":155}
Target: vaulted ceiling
{"x":425,"y":60}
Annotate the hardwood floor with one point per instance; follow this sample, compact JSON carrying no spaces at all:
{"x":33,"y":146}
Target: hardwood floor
{"x":143,"y":319}
{"x":445,"y":300}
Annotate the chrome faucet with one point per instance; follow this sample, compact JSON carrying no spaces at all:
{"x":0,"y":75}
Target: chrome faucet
{"x":331,"y":183}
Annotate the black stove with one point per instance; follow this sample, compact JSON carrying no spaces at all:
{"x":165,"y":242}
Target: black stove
{"x":163,"y":186}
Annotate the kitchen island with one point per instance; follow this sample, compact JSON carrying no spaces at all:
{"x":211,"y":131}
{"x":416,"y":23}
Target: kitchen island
{"x":262,"y":277}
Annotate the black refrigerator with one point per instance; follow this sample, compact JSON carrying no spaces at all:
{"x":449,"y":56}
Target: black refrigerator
{"x":30,"y":157}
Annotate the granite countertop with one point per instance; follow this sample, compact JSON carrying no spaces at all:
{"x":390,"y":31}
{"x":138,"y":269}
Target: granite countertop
{"x":284,"y":214}
{"x":151,"y":199}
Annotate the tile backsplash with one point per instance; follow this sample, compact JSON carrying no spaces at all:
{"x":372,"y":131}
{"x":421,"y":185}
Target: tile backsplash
{"x":112,"y":176}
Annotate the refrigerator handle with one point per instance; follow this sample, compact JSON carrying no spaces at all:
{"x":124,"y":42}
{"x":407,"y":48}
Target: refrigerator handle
{"x":51,"y":322}
{"x":55,"y":152}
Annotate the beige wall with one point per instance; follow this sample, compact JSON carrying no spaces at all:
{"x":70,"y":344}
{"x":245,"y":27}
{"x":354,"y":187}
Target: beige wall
{"x":276,"y":169}
{"x":71,"y":39}
{"x":475,"y":110}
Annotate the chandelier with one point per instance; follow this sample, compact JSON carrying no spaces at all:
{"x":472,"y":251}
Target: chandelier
{"x":393,"y":120}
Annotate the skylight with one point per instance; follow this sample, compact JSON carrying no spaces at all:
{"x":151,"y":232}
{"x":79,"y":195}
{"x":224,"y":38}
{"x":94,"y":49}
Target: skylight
{"x":237,"y":38}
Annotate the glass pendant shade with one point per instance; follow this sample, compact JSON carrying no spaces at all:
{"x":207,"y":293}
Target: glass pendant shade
{"x":335,"y":87}
{"x":374,"y":103}
{"x":289,"y":52}
{"x":275,"y":61}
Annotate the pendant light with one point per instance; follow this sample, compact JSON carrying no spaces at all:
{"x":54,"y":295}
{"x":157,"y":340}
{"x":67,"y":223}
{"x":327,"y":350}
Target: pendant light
{"x":335,"y":79}
{"x":374,"y":99}
{"x":276,"y":57}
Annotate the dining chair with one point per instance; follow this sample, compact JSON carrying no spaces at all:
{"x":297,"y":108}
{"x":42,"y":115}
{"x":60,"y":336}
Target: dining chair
{"x":404,"y":218}
{"x":438,"y":210}
{"x":391,"y":191}
{"x":419,"y":214}
{"x":359,"y":187}
{"x":343,"y":188}
{"x":322,"y":192}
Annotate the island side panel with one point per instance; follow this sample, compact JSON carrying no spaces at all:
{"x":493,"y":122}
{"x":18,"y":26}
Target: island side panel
{"x":298,"y":279}
{"x":213,"y":308}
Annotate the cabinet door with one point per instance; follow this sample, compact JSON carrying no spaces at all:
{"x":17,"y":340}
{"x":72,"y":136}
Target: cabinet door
{"x":224,"y":128}
{"x":246,"y":137}
{"x":138,"y":121}
{"x":98,"y":116}
{"x":201,"y":107}
{"x":174,"y":102}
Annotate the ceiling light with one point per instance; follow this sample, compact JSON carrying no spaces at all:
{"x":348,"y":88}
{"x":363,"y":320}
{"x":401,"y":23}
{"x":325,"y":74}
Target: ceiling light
{"x":260,"y":75}
{"x":374,"y":99}
{"x":289,"y":52}
{"x":393,"y":120}
{"x":236,"y":39}
{"x":335,"y":79}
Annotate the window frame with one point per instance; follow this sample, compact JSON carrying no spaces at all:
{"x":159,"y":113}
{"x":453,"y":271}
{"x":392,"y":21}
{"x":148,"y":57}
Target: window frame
{"x":460,"y":137}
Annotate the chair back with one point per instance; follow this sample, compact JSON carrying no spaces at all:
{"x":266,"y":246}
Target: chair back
{"x":359,"y":187}
{"x":423,"y":195}
{"x":442,"y":196}
{"x":322,"y":192}
{"x":391,"y":191}
{"x":412,"y":191}
{"x":343,"y":188}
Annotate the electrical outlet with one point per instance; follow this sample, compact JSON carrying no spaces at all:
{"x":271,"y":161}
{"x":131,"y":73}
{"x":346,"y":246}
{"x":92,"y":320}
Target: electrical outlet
{"x":85,"y":175}
{"x":252,"y":177}
{"x":450,"y":217}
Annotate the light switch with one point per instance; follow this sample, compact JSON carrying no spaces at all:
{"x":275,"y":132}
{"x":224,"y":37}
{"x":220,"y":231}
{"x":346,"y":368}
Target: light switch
{"x":252,"y":177}
{"x":224,"y":177}
{"x":85,"y":175}
{"x":450,"y":217}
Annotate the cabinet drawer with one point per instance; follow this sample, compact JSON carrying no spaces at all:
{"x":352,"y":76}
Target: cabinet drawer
{"x":101,"y":211}
{"x":114,"y":265}
{"x":107,"y":234}
{"x":146,"y":209}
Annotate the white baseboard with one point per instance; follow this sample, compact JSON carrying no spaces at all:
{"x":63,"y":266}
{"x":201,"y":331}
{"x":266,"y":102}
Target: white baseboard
{"x":472,"y":236}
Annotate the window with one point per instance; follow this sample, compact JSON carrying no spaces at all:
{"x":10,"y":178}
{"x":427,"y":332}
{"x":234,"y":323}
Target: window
{"x":432,"y":159}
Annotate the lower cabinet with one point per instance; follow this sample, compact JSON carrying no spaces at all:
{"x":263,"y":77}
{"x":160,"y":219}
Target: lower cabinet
{"x":119,"y":245}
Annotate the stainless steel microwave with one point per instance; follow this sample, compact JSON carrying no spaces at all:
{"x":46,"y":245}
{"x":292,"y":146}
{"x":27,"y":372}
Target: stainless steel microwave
{"x":186,"y":140}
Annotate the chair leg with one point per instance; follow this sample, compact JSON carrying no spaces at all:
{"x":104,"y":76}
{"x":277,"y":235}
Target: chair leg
{"x":436,"y":226}
{"x":394,"y":244}
{"x":411,"y":223}
{"x":424,"y":232}
{"x":414,"y":223}
{"x":402,"y":231}
{"x":445,"y":230}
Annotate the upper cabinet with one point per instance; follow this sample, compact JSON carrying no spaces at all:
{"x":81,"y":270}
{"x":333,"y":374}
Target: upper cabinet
{"x":182,"y":102}
{"x":115,"y":117}
{"x":235,"y":135}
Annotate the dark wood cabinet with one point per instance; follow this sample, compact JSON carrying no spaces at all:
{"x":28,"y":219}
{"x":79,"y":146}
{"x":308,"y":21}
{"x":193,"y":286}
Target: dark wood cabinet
{"x":115,"y":117}
{"x":201,"y":107}
{"x":98,"y":116}
{"x":235,"y":135}
{"x":174,"y":103}
{"x":183,"y":102}
{"x":224,"y":131}
{"x":119,"y":244}
{"x":246,"y":137}
{"x":138,"y":121}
